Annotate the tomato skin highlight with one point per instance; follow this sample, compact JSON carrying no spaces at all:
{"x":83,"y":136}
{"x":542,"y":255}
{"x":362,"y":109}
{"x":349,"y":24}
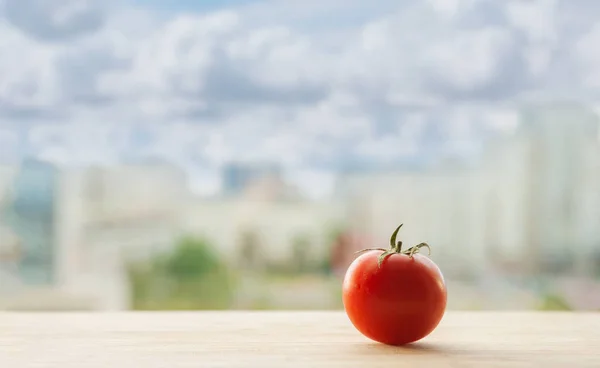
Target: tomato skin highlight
{"x":397,"y":303}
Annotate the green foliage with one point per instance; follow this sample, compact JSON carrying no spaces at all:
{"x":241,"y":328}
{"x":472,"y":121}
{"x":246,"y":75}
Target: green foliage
{"x":192,"y":259}
{"x":336,"y":289}
{"x":324,"y":266}
{"x":553,"y":302}
{"x":191,"y":277}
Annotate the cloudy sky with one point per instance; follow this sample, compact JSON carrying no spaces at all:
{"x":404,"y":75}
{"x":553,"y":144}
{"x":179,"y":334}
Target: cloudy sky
{"x":312,"y":84}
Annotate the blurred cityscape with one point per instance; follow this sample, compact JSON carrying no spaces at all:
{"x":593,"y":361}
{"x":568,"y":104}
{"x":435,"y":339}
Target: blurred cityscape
{"x":516,"y":227}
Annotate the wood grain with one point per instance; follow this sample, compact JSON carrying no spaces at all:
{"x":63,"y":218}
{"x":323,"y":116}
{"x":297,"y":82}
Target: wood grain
{"x":291,"y":339}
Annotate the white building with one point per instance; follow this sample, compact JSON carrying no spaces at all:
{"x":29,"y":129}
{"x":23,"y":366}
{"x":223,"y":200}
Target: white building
{"x":534,"y":200}
{"x":269,"y":211}
{"x":507,"y":175}
{"x":79,"y":228}
{"x":563,"y":198}
{"x":444,"y":208}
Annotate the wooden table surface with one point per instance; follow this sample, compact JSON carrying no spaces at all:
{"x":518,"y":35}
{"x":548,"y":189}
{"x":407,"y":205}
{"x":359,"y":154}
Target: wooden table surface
{"x":291,"y":339}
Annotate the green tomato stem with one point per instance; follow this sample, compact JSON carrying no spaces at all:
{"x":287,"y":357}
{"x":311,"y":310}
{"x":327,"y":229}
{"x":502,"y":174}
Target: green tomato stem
{"x":396,"y":248}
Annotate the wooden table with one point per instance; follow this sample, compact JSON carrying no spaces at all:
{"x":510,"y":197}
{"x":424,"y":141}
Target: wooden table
{"x":291,"y":339}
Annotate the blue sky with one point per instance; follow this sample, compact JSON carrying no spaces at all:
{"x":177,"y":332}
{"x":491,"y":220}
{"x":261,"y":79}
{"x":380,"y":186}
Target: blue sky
{"x":314,"y":85}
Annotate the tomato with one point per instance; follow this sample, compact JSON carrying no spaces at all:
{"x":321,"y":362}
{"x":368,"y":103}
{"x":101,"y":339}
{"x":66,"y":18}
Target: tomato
{"x":394,"y":296}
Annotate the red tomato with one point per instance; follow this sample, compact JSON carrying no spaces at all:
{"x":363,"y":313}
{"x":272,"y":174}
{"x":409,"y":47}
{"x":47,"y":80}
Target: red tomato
{"x":394,"y":296}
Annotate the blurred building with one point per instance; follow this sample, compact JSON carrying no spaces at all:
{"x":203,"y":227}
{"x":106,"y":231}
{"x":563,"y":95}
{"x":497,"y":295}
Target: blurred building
{"x":506,"y":224}
{"x":31,"y":217}
{"x":268,"y":215}
{"x":563,"y":186}
{"x":69,"y":234}
{"x":531,"y":204}
{"x":442,"y":207}
{"x":237,"y":176}
{"x":78,"y":228}
{"x":544,"y":203}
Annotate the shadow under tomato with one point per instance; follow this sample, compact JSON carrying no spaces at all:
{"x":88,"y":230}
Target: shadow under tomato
{"x":418,"y":348}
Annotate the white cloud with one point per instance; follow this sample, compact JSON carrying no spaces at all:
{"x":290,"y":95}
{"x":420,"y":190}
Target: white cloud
{"x":503,"y":120}
{"x":536,"y":18}
{"x":28,"y":79}
{"x":78,"y":143}
{"x":487,"y":50}
{"x":52,"y":19}
{"x":589,"y":57}
{"x":281,"y":80}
